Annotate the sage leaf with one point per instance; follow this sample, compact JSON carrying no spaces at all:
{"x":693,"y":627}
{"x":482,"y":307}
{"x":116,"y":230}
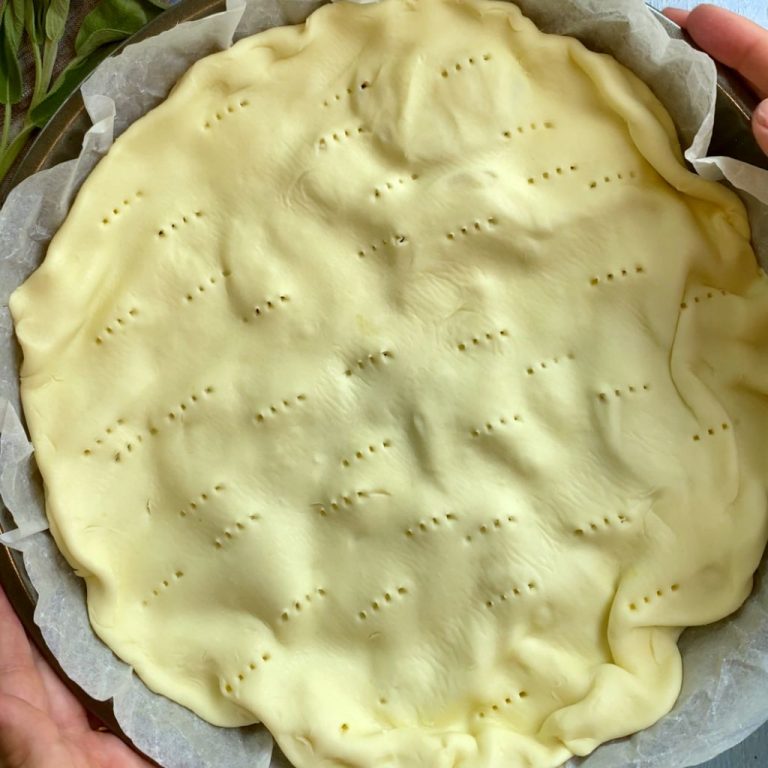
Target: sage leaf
{"x":11,"y":27}
{"x":66,"y":83}
{"x":56,"y":19}
{"x":113,"y":20}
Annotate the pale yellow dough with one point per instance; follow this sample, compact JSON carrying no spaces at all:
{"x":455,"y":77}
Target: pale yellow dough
{"x":394,"y":384}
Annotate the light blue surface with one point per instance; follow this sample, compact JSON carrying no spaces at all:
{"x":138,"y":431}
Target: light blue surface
{"x":753,"y":753}
{"x":756,"y":10}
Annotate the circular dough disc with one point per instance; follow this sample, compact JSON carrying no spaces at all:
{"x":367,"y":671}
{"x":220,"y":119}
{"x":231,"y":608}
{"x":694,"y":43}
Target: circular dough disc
{"x":394,"y":384}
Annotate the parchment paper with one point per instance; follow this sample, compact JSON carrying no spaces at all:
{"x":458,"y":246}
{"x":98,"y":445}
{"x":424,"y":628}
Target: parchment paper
{"x":725,"y":689}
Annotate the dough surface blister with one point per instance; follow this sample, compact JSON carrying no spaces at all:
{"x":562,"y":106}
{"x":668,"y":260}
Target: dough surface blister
{"x":409,"y":399}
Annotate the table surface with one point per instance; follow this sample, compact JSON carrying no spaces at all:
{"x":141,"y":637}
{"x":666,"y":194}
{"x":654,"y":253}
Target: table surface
{"x":752,"y":753}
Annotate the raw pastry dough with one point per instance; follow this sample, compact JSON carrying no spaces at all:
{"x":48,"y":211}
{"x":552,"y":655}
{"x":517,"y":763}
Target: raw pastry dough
{"x":394,"y":384}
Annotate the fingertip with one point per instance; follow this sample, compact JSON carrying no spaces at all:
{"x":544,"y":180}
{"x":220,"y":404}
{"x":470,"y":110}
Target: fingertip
{"x":732,"y":40}
{"x":704,"y":19}
{"x":678,"y":15}
{"x":760,"y":125}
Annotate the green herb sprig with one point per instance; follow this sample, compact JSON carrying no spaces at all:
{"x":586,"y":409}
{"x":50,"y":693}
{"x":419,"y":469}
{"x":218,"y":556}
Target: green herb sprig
{"x":41,"y":24}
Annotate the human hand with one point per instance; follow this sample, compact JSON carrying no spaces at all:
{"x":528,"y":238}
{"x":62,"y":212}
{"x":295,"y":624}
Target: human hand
{"x":736,"y":42}
{"x":41,"y":723}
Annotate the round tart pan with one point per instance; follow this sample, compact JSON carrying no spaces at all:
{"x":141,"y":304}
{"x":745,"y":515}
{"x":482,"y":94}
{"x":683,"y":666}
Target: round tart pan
{"x":61,"y":140}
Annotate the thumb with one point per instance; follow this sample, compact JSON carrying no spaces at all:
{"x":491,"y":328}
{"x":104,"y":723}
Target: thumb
{"x":760,"y":125}
{"x":28,"y":738}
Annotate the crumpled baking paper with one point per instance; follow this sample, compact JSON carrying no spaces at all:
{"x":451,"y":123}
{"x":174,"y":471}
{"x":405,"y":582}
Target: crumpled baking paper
{"x":725,"y":688}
